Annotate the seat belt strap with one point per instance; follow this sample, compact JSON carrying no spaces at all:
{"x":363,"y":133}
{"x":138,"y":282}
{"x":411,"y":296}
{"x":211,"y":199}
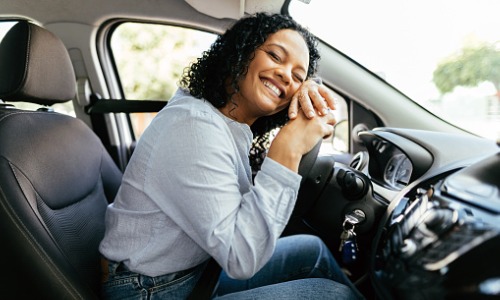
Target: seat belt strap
{"x":124,"y":106}
{"x":205,"y":286}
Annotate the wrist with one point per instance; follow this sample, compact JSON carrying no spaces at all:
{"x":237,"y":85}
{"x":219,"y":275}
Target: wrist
{"x":285,"y":155}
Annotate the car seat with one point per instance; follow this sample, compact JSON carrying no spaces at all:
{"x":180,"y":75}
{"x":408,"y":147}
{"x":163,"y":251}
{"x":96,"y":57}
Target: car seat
{"x":56,"y":178}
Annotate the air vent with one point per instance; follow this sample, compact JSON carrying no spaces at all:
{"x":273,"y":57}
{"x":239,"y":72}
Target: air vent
{"x":359,"y":161}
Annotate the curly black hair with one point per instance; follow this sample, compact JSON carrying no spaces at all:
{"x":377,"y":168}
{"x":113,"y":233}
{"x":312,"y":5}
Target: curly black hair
{"x":228,"y":59}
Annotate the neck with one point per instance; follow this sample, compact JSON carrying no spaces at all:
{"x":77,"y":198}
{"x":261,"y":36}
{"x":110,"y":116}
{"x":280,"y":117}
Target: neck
{"x":233,"y":112}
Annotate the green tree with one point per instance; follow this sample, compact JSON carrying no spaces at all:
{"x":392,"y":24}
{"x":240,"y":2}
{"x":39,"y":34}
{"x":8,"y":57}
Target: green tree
{"x":470,"y":67}
{"x":151,"y":58}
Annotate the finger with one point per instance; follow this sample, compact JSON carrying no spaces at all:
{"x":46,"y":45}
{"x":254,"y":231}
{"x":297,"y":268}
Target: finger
{"x":293,"y":108}
{"x":329,"y":122}
{"x":330,"y":118}
{"x":306,"y":105}
{"x":318,"y":101}
{"x":328,"y":96}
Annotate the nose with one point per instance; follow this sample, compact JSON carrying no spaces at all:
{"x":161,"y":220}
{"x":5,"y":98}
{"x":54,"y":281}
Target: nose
{"x":285,"y":73}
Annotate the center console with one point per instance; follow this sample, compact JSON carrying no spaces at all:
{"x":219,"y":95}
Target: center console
{"x":442,"y":240}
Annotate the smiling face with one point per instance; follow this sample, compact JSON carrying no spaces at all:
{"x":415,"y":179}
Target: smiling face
{"x":274,"y":74}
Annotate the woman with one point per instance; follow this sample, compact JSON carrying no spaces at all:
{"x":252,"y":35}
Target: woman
{"x":188,"y":192}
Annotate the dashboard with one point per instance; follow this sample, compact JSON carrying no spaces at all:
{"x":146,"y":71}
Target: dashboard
{"x":440,"y":235}
{"x":394,"y":160}
{"x":430,"y":203}
{"x":397,"y":171}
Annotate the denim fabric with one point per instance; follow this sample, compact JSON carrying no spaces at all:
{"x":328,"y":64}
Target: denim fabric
{"x":302,"y":267}
{"x":124,"y":284}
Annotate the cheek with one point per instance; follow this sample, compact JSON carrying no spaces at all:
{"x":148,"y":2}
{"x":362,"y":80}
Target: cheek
{"x":246,"y":84}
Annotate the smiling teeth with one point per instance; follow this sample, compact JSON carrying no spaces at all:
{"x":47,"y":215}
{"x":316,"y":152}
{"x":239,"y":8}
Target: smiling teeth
{"x":274,"y":88}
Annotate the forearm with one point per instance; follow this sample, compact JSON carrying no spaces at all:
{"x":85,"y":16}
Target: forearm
{"x":261,"y":219}
{"x":281,"y":151}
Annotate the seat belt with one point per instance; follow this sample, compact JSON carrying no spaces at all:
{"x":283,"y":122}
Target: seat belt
{"x":102,"y":106}
{"x":205,"y":286}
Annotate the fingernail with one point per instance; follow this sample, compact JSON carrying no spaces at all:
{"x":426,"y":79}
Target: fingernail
{"x":310,"y":114}
{"x":324,"y":111}
{"x":292,"y":115}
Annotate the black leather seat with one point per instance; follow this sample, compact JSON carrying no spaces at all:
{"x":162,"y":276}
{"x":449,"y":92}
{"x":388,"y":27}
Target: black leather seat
{"x":56,"y":178}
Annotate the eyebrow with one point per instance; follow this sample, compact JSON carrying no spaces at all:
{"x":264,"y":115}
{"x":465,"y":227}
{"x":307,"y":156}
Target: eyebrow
{"x":287,"y":54}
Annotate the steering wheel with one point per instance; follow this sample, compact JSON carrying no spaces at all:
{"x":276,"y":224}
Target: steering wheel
{"x":308,"y":160}
{"x":304,"y":203}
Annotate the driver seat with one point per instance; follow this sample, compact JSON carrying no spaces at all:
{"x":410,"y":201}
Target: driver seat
{"x":56,"y":177}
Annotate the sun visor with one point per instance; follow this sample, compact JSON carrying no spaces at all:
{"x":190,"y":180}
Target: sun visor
{"x":235,"y":9}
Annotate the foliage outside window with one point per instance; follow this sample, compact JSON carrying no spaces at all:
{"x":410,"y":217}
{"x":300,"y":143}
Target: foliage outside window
{"x":470,"y":67}
{"x":151,"y":58}
{"x":444,"y":55}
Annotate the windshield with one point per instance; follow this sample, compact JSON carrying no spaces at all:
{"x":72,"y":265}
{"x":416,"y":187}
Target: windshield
{"x":444,"y":54}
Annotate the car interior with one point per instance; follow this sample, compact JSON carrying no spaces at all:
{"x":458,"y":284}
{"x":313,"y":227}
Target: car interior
{"x":57,"y":179}
{"x":419,"y":196}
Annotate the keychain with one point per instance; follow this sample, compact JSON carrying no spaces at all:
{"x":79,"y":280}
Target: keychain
{"x":348,"y":246}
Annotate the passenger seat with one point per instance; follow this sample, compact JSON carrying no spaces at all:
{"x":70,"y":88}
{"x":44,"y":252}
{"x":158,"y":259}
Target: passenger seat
{"x":56,"y":178}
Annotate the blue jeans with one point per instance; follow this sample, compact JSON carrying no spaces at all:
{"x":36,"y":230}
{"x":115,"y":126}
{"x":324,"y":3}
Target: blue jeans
{"x":120,"y":283}
{"x":302,"y":267}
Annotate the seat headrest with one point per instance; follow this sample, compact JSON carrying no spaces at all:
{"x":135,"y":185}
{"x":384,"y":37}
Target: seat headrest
{"x":35,"y":66}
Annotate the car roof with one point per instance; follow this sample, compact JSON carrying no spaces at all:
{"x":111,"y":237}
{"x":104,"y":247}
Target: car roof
{"x":77,"y":11}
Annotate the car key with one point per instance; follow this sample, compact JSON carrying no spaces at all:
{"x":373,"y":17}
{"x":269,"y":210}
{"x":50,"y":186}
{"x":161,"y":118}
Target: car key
{"x":344,"y":237}
{"x":355,"y":217}
{"x":350,"y":248}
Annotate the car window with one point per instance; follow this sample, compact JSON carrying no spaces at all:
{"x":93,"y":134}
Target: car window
{"x":150,"y":59}
{"x":444,"y":55}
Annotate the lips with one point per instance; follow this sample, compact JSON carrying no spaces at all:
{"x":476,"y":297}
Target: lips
{"x":275,"y":89}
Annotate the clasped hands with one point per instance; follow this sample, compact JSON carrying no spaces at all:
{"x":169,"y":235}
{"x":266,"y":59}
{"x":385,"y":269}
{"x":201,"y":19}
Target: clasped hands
{"x":310,"y":120}
{"x":313,"y":99}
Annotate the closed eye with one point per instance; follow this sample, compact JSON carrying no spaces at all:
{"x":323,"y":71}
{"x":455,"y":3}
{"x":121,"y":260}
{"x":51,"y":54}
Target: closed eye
{"x":274,"y":56}
{"x":299,"y":78}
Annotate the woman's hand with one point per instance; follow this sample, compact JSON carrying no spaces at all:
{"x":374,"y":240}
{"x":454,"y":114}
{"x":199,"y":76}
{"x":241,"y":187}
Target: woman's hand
{"x":312,"y":98}
{"x":298,"y":137}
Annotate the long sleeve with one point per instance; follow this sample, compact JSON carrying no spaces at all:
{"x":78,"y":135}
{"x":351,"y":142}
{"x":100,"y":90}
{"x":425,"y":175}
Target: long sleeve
{"x":235,"y":222}
{"x":194,"y":175}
